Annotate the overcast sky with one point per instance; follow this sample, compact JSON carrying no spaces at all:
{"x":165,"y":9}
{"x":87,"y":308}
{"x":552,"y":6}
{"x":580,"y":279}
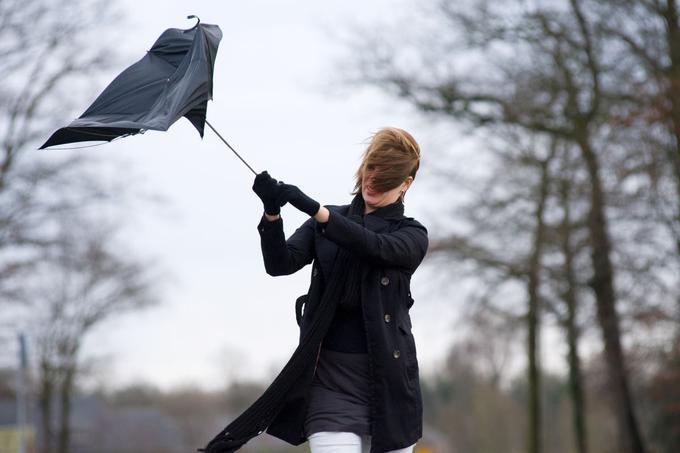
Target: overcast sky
{"x":222,"y":316}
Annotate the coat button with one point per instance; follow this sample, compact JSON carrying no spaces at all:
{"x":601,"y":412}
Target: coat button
{"x":385,"y":281}
{"x":396,"y":353}
{"x":387,"y":317}
{"x":315,"y":272}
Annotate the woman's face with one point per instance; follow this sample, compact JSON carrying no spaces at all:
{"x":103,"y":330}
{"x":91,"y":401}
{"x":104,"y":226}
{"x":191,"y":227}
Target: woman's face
{"x":373,"y":199}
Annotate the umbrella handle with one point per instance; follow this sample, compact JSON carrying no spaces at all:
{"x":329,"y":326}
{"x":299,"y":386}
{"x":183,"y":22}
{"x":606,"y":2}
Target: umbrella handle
{"x":225,"y":142}
{"x":194,"y":17}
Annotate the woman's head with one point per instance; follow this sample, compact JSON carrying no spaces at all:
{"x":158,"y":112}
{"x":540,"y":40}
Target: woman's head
{"x":388,"y":167}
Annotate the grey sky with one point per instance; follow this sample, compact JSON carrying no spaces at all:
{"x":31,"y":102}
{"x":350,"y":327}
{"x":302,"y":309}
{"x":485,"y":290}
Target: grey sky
{"x":222,"y":315}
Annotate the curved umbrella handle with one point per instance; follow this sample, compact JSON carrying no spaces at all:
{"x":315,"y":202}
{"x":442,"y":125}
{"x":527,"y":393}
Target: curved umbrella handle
{"x":193,"y":17}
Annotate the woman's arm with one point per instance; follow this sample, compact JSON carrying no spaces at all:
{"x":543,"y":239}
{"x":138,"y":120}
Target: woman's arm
{"x":403,"y":248}
{"x":322,"y":215}
{"x":281,"y":256}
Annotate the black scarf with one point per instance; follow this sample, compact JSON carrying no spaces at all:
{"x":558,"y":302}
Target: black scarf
{"x":348,"y":265}
{"x":343,"y":287}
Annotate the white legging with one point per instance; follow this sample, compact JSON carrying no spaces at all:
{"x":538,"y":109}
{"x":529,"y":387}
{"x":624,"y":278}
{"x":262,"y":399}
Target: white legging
{"x":344,"y":442}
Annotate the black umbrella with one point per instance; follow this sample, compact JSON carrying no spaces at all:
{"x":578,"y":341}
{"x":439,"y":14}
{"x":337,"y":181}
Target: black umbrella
{"x":172,"y":80}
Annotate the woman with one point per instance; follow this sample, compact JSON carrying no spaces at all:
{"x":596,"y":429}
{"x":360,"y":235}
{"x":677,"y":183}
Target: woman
{"x":365,"y":385}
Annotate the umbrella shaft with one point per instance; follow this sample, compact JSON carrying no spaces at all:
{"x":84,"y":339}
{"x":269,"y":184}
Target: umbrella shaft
{"x":225,"y":142}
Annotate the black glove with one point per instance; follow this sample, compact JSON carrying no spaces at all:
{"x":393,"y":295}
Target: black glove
{"x":296,"y":197}
{"x":269,"y":191}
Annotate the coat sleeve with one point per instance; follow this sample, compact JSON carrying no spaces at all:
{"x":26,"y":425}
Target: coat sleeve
{"x":404,"y":248}
{"x":281,"y":256}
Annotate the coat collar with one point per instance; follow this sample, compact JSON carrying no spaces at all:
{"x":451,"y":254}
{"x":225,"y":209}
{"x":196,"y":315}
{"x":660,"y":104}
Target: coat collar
{"x":378,"y":221}
{"x":389,"y":212}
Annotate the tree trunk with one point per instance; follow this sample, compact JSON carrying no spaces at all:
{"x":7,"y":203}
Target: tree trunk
{"x":65,"y":419}
{"x":602,"y":283}
{"x":672,"y":23}
{"x":570,"y":299}
{"x":533,"y":315}
{"x":45,"y":406}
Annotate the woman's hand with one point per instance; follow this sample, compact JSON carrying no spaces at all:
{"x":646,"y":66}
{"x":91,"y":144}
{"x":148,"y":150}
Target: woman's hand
{"x":275,"y":194}
{"x":293,"y":195}
{"x":269,"y":191}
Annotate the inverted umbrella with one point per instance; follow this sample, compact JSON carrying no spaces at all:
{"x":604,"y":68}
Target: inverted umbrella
{"x":173,"y":80}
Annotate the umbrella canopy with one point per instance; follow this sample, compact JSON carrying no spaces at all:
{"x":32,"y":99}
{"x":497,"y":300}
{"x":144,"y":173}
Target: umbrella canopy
{"x":174,"y":79}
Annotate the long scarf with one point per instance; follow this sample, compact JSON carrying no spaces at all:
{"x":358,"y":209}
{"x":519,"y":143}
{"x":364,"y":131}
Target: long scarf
{"x":343,"y":286}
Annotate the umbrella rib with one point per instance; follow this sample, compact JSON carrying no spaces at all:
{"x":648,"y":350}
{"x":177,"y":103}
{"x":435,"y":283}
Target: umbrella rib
{"x":225,"y":142}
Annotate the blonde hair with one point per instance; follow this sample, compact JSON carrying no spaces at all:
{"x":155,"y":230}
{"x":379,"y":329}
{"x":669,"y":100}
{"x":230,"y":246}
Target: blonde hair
{"x":394,"y":154}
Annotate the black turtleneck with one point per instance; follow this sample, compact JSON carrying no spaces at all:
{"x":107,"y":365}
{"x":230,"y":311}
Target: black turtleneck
{"x":346,"y":333}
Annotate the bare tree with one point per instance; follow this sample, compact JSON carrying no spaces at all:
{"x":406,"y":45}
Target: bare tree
{"x":45,"y":51}
{"x":542,"y":68}
{"x":82,"y":281}
{"x":513,"y":205}
{"x":568,"y":281}
{"x":646,"y":37}
{"x":43,"y":46}
{"x":59,"y":255}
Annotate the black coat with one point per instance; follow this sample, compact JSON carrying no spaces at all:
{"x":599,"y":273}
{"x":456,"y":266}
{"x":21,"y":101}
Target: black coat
{"x":392,"y":246}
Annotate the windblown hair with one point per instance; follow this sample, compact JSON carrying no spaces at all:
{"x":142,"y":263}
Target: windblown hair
{"x":394,"y":154}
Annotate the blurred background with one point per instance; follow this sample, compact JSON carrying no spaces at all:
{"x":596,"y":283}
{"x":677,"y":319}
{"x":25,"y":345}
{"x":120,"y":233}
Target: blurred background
{"x":135,"y":311}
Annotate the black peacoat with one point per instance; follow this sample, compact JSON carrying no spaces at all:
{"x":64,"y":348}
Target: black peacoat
{"x":392,"y":246}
